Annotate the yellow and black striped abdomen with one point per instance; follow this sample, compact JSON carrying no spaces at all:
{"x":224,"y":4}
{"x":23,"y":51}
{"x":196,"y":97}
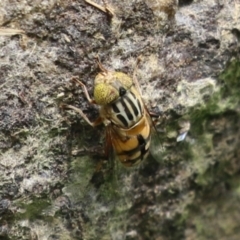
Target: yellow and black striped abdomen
{"x":131,"y":145}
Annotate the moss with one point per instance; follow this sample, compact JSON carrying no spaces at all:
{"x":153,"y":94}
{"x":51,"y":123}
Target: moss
{"x":33,"y":209}
{"x":230,"y":78}
{"x":216,"y":200}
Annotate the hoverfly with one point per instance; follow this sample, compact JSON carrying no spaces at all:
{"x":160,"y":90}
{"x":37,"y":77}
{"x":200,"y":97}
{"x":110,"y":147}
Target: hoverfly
{"x":122,"y":111}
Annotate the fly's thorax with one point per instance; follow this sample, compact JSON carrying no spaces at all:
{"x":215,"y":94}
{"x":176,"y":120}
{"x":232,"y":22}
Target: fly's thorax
{"x":109,"y":86}
{"x":127,"y":110}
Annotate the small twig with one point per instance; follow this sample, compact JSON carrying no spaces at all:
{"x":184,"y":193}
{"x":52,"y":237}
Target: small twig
{"x":106,"y":9}
{"x":10,"y":31}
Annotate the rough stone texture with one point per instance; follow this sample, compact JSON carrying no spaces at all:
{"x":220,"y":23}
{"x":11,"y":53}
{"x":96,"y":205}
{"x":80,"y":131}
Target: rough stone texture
{"x":52,"y":187}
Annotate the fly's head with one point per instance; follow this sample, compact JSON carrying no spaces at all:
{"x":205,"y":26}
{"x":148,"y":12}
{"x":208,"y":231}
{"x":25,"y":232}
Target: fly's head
{"x":109,"y":86}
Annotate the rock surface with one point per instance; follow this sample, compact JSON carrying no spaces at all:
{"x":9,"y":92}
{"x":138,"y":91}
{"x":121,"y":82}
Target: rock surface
{"x":51,"y":185}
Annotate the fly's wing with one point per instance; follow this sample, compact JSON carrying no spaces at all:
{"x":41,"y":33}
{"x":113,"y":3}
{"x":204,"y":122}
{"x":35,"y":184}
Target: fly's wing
{"x":111,"y":177}
{"x":112,"y":136}
{"x":108,"y":142}
{"x":167,"y":136}
{"x":157,"y":149}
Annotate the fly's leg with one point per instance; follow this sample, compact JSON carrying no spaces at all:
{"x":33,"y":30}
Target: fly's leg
{"x":96,"y":151}
{"x":106,"y":9}
{"x":98,"y":121}
{"x":91,"y":101}
{"x":135,"y":81}
{"x":101,"y":67}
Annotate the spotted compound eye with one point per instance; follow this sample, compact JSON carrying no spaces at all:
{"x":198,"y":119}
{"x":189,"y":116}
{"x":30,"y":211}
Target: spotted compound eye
{"x":105,"y":94}
{"x":124,"y":79}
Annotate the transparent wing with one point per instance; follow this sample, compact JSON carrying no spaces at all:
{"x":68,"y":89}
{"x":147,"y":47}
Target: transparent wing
{"x":157,"y":150}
